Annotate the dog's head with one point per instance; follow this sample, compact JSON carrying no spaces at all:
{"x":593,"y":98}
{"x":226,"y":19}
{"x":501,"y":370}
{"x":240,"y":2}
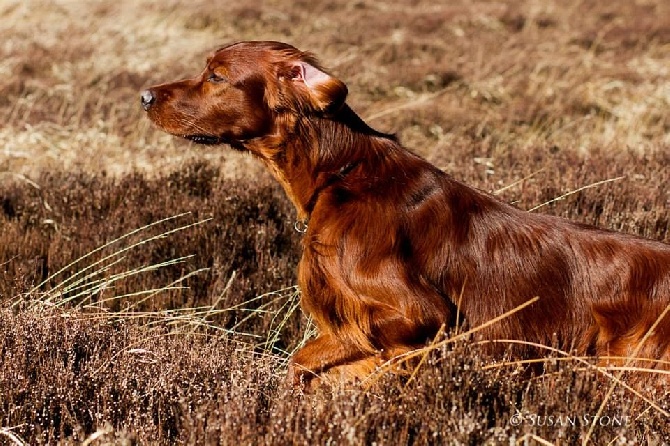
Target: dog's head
{"x":242,"y":94}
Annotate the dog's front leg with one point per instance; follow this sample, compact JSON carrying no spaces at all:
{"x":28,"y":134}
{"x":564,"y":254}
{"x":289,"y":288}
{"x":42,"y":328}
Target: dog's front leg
{"x":318,"y":356}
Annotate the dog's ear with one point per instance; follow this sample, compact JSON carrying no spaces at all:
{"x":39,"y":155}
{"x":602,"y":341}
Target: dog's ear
{"x":316,"y":89}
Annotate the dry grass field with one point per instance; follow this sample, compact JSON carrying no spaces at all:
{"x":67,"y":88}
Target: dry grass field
{"x":147,"y":285}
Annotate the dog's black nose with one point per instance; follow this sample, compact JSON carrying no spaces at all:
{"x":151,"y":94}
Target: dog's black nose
{"x":147,"y":98}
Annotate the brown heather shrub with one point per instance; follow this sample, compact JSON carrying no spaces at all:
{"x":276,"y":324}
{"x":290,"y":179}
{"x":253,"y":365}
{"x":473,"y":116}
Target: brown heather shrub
{"x":82,"y":367}
{"x":244,"y":247}
{"x":249,"y":230}
{"x":47,"y":224}
{"x":65,"y":376}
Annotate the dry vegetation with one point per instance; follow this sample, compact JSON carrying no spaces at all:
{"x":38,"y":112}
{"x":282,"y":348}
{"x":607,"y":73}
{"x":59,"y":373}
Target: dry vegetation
{"x":146,"y":285}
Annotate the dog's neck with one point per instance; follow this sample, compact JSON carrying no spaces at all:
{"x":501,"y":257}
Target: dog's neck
{"x":317,"y":153}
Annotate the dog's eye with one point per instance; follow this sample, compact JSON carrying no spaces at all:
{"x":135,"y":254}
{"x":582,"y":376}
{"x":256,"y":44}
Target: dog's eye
{"x":215,"y":78}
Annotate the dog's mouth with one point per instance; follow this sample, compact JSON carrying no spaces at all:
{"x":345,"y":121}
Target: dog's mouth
{"x":205,"y":139}
{"x":209,"y":140}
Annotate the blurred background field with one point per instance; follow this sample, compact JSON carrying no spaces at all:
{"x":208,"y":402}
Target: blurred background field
{"x":177,"y":323}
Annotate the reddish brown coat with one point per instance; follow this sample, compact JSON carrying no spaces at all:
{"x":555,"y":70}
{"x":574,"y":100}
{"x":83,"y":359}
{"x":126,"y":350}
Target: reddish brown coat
{"x":395,"y":247}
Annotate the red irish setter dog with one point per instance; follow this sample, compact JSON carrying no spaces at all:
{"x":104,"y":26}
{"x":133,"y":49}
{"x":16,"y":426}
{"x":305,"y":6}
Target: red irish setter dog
{"x":394,"y":247}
